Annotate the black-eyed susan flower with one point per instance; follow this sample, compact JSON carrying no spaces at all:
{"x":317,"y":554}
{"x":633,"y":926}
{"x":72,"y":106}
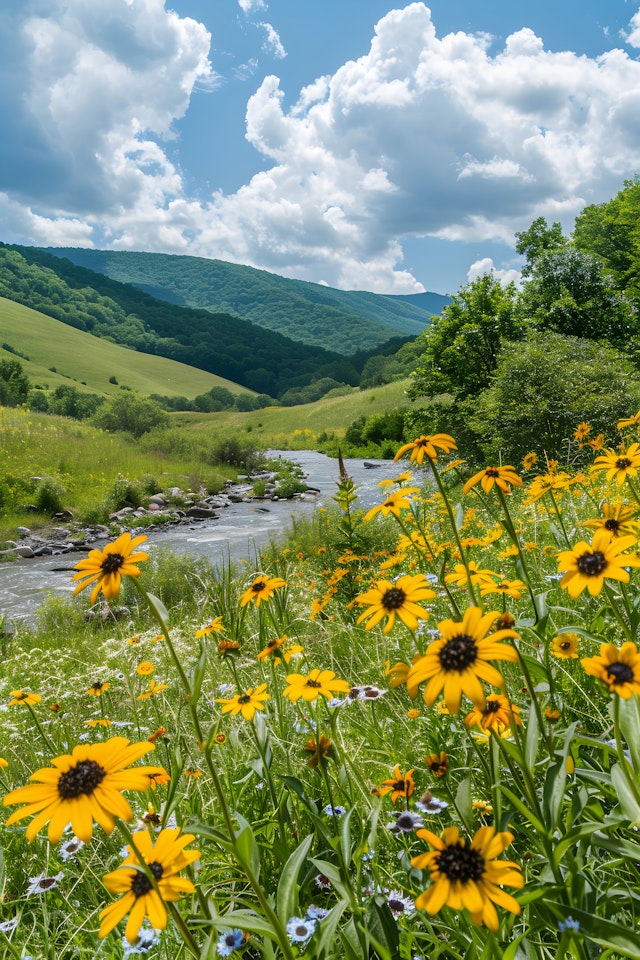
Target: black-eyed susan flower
{"x":23,"y":696}
{"x":271,"y":647}
{"x":507,"y":588}
{"x":618,"y":668}
{"x":318,"y":683}
{"x":469,"y":877}
{"x":617,"y":519}
{"x":502,"y":477}
{"x":498,"y":709}
{"x":320,"y":750}
{"x":145,"y":669}
{"x":458,"y":660}
{"x":589,"y":565}
{"x":438,"y":763}
{"x":154,"y":688}
{"x":427,"y":447}
{"x":629,"y":421}
{"x":141,"y":898}
{"x":529,"y":460}
{"x":98,"y":687}
{"x":565,"y":646}
{"x":81,"y":787}
{"x":246,"y":703}
{"x":400,"y":599}
{"x":399,"y":785}
{"x":214,"y":625}
{"x":619,"y":466}
{"x":461,"y":575}
{"x":105,"y":568}
{"x":394,"y":504}
{"x":261,"y":590}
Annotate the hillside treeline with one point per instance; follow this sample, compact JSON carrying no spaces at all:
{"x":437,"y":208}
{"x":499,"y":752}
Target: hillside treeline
{"x":263,"y":361}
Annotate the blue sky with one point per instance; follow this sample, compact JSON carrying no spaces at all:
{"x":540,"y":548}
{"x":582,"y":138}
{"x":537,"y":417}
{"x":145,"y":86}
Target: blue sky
{"x":359,"y":143}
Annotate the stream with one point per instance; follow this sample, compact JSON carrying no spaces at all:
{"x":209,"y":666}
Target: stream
{"x":241,"y":530}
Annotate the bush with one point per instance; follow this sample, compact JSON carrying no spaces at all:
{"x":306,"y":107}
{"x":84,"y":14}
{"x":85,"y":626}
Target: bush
{"x":130,"y":414}
{"x":49,"y":495}
{"x":545,"y":387}
{"x":125,"y":493}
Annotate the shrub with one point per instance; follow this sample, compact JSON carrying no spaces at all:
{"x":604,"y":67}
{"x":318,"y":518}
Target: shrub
{"x":49,"y":495}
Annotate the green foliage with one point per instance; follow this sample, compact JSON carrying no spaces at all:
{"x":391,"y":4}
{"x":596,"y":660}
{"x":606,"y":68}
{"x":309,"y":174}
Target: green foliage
{"x":569,"y":293}
{"x":49,"y":495}
{"x":310,"y":394}
{"x":538,"y":241}
{"x":130,"y":414}
{"x":68,"y":401}
{"x":125,"y":493}
{"x":14,"y":383}
{"x":461,"y":347}
{"x":543,"y":388}
{"x":234,"y":451}
{"x":339,"y":320}
{"x":611,"y":231}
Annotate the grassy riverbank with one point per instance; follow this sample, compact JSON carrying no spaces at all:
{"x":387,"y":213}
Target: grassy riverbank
{"x":407,"y":734}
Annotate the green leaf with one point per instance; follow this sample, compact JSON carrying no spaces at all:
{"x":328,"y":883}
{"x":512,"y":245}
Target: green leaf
{"x":523,"y":809}
{"x":198,"y":672}
{"x":245,"y":920}
{"x":326,"y":941}
{"x":287,"y":894}
{"x":602,"y":931}
{"x":630,"y":726}
{"x":381,"y":926}
{"x":247,"y":849}
{"x":333,"y":875}
{"x":158,"y":609}
{"x":464,"y":803}
{"x":625,"y":794}
{"x":532,"y":739}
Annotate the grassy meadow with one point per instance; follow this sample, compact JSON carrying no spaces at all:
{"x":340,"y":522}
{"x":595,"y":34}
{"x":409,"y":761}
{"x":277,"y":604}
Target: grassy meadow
{"x":413,"y":733}
{"x":88,"y":362}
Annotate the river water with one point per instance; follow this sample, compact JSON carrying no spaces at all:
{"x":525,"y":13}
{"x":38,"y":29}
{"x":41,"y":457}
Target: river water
{"x":242,"y":529}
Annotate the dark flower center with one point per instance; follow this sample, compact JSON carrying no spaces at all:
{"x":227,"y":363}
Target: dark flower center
{"x":565,"y":645}
{"x":396,"y":906}
{"x":612,"y":524}
{"x":620,"y":672}
{"x":591,"y":563}
{"x":622,"y":463}
{"x":313,"y":684}
{"x":46,"y":883}
{"x":112,"y":562}
{"x":460,"y":863}
{"x":458,"y":653}
{"x":81,"y":779}
{"x":141,"y":883}
{"x":393,"y":599}
{"x":259,"y":586}
{"x":399,"y":785}
{"x":491,"y":706}
{"x":492,"y":472}
{"x":245,"y":698}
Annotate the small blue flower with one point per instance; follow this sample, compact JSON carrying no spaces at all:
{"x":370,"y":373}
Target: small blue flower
{"x":230,"y":941}
{"x":299,"y":929}
{"x":568,"y":924}
{"x":316,"y":913}
{"x":337,"y":811}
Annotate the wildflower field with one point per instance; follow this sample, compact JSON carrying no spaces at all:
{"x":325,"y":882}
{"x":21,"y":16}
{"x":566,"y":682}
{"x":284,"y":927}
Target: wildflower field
{"x":410,"y":733}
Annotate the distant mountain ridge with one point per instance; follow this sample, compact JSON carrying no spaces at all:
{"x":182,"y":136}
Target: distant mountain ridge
{"x":338,"y":320}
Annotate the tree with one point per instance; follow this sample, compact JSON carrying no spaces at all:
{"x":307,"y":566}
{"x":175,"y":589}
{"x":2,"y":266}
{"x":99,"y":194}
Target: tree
{"x":543,"y":388}
{"x":130,"y":414}
{"x":612,"y":231}
{"x":14,"y":383}
{"x":570,"y":293}
{"x":461,"y":347}
{"x":539,"y":240}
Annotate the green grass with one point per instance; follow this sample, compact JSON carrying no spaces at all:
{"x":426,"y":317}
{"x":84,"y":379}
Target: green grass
{"x":88,"y":362}
{"x":560,"y":787}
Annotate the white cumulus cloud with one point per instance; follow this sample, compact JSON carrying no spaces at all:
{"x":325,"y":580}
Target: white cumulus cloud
{"x":486,"y":265}
{"x":455,"y":137}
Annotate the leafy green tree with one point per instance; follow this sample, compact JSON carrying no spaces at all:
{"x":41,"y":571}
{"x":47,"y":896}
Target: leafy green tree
{"x":130,"y":414}
{"x":543,"y":388}
{"x":14,"y":383}
{"x":570,"y":293}
{"x":461,"y":347}
{"x":611,"y":231}
{"x":539,"y":240}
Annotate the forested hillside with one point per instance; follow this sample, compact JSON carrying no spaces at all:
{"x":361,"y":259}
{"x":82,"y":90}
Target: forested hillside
{"x":341,"y":320}
{"x":227,"y":346}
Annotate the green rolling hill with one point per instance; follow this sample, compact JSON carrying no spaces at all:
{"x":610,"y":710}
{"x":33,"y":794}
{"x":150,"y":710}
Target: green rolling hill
{"x":337,"y":320}
{"x":53,"y":353}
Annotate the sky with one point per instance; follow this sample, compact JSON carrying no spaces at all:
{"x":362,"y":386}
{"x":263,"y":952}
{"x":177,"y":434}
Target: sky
{"x":363,"y":144}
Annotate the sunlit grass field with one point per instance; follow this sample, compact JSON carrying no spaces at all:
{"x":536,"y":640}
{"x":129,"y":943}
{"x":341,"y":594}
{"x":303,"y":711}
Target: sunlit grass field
{"x":413,"y":733}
